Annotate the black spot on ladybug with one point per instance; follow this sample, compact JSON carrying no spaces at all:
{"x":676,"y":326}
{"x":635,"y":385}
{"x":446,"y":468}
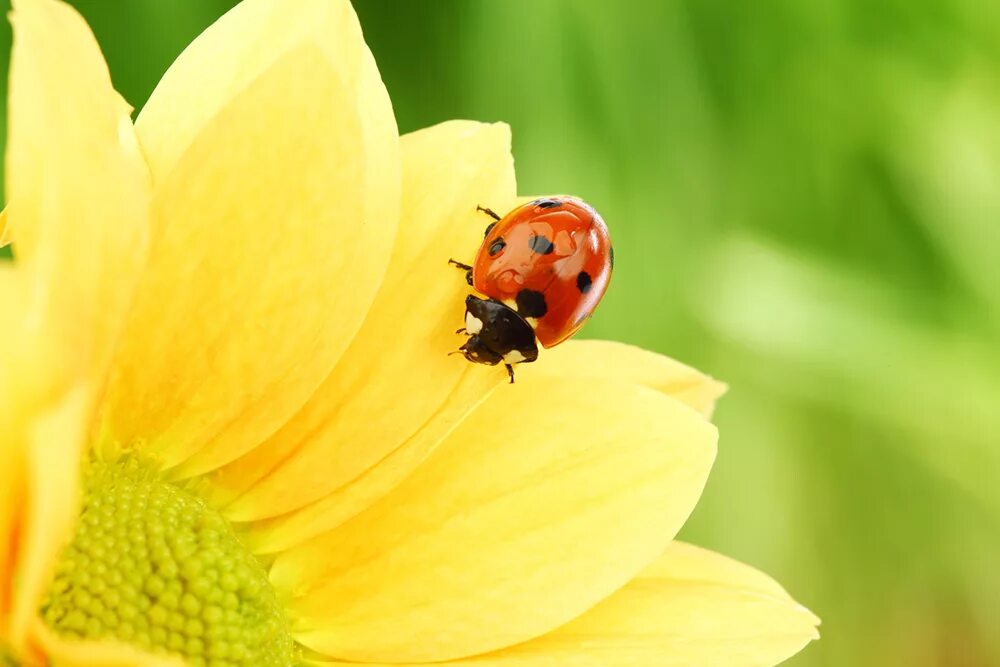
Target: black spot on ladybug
{"x":497,"y":246}
{"x":531,"y":303}
{"x":548,"y":203}
{"x":540,"y":244}
{"x":583,"y":282}
{"x":611,"y":255}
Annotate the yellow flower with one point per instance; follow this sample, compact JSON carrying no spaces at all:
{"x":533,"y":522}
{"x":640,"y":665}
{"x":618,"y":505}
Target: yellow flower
{"x":231,"y":433}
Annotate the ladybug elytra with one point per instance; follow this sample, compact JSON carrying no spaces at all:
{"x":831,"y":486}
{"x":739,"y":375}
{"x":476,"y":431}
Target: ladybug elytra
{"x":543,"y":269}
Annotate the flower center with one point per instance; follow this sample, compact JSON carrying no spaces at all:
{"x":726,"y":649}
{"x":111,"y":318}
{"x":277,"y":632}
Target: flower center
{"x":154,"y":566}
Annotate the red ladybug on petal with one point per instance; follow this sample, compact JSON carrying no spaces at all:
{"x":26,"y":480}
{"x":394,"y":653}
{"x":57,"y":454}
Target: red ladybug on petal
{"x":543,"y":268}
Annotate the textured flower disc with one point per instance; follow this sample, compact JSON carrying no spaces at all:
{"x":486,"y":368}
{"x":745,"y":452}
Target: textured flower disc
{"x":153,"y":565}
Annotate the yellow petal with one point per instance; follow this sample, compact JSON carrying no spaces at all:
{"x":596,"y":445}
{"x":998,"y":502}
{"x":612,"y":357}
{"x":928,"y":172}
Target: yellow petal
{"x":691,"y":607}
{"x":274,"y":230}
{"x":67,"y":652}
{"x":77,"y":187}
{"x":14,"y":425}
{"x":78,"y":192}
{"x":5,"y":236}
{"x":56,"y":444}
{"x":545,"y":500}
{"x":41,"y":458}
{"x":283,"y":532}
{"x":11,"y":494}
{"x":588,"y":359}
{"x":19,"y":404}
{"x":246,"y":42}
{"x":582,"y":360}
{"x":396,"y":379}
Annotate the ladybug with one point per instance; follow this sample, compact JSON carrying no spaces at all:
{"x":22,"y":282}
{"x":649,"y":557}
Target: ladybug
{"x":543,"y":269}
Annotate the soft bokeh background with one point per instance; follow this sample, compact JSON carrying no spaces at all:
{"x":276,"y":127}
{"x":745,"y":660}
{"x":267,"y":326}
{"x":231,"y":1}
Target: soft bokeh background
{"x":805,"y":201}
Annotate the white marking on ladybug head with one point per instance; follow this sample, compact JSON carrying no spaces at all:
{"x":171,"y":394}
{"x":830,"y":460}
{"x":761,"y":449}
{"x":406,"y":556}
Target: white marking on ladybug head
{"x":514,"y":357}
{"x":473,"y":324}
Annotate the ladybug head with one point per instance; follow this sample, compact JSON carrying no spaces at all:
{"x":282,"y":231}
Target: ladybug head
{"x":476,"y":351}
{"x":496,"y":334}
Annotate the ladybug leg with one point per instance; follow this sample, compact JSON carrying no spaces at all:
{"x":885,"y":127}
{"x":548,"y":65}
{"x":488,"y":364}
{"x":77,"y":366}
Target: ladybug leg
{"x":510,"y":372}
{"x":490,"y":226}
{"x":464,"y":267}
{"x":488,"y":212}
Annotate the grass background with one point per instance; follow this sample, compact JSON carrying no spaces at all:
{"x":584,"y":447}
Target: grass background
{"x":805,"y":201}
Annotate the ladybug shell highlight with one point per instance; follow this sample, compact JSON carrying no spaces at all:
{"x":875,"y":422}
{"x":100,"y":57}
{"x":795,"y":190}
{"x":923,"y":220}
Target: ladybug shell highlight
{"x":550,"y":260}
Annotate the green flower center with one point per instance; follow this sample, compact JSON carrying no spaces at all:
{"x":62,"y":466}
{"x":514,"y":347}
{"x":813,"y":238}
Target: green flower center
{"x":154,"y":566}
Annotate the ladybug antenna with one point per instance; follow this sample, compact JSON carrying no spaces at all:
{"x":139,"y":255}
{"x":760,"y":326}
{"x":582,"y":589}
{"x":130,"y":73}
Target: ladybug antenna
{"x":460,"y":350}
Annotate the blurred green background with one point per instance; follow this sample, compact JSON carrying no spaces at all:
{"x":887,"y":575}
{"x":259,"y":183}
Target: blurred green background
{"x":805,"y":201}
